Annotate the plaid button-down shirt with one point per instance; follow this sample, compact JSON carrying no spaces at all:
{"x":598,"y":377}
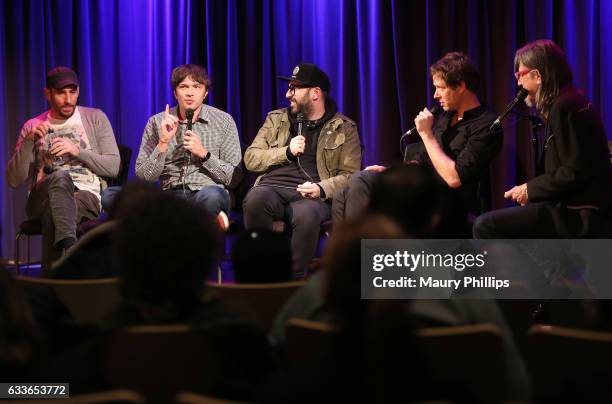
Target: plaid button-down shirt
{"x":218,"y":134}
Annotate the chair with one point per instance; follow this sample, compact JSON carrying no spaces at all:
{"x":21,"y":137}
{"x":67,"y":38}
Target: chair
{"x":103,"y":397}
{"x":192,"y":398}
{"x":265,"y":299}
{"x":158,"y":361}
{"x":470,"y":356}
{"x":33,"y":227}
{"x":569,"y":364}
{"x":85,"y":245}
{"x":125,"y":153}
{"x":308,"y":342}
{"x":87,"y":300}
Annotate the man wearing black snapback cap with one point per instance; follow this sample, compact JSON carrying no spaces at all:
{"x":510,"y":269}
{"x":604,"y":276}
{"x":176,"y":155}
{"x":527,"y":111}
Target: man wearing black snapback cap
{"x":63,"y":154}
{"x":304,"y":153}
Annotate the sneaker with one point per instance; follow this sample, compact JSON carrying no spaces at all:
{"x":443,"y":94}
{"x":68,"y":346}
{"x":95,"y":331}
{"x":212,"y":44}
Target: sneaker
{"x":222,"y":221}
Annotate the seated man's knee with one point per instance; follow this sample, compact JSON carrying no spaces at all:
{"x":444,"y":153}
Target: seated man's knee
{"x":212,"y":199}
{"x":482,"y":226}
{"x":362,"y":180}
{"x":108,"y":197}
{"x":306,"y":214}
{"x":256,"y":198}
{"x":60,"y":177}
{"x":212,"y":193}
{"x":357,"y":178}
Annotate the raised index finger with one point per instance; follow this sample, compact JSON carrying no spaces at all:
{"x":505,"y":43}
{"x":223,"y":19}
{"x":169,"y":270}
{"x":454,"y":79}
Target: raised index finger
{"x":167,"y":113}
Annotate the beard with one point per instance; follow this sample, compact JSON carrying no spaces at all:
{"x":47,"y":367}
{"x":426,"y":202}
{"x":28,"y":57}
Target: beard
{"x":304,"y":107}
{"x":60,"y":111}
{"x":530,"y":102}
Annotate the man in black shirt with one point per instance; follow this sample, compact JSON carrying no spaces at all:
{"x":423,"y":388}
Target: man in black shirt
{"x":459,"y":146}
{"x":302,"y":164}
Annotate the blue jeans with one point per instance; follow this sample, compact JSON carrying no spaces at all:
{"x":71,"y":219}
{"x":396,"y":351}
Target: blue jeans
{"x":108,"y":196}
{"x":211,"y":198}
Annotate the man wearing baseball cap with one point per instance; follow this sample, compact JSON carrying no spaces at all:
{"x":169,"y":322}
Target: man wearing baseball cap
{"x":62,"y":154}
{"x":304,"y":153}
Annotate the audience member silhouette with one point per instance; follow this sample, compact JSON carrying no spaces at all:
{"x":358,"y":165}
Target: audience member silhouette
{"x":20,"y":337}
{"x":91,"y":256}
{"x":261,"y":256}
{"x":416,"y":198}
{"x":164,"y":248}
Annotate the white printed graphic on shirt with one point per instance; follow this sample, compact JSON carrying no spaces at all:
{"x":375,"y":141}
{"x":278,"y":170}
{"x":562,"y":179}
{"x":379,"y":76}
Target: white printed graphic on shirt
{"x":73,"y":130}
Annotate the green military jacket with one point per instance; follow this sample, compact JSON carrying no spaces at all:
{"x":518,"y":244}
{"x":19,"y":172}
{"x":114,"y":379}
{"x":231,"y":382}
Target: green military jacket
{"x":338,"y":149}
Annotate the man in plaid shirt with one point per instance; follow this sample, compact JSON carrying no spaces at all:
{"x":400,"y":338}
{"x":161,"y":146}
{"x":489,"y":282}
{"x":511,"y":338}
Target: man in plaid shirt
{"x":198,"y":163}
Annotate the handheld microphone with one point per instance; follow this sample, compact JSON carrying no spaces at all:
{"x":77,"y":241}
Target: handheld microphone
{"x":520,"y":96}
{"x":300,"y":122}
{"x":434,"y":110}
{"x":189,"y":116}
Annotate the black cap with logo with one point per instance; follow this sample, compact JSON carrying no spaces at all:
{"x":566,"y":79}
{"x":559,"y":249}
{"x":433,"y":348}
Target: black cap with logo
{"x":309,"y":75}
{"x":61,"y":77}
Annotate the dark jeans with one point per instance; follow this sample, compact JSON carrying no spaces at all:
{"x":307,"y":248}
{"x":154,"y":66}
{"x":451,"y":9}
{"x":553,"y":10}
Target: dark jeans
{"x":108,"y":197}
{"x":265,"y":204}
{"x":59,"y":206}
{"x":350,"y":202}
{"x":537,"y":220}
{"x":211,"y":198}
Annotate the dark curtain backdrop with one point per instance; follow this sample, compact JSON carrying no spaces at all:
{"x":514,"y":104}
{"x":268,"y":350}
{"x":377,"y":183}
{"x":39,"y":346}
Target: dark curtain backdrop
{"x":376,"y":53}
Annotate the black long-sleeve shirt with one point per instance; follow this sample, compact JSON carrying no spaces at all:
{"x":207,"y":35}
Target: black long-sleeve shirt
{"x":470,"y":144}
{"x":575,"y":166}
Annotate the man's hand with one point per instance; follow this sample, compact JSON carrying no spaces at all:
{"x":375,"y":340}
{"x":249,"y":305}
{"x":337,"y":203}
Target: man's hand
{"x":424,"y":123}
{"x":191,"y":141}
{"x":297,"y":145}
{"x":61,"y":147}
{"x":309,"y":190}
{"x":378,"y":169}
{"x":518,"y":194}
{"x":169,"y":126}
{"x":38,"y":131}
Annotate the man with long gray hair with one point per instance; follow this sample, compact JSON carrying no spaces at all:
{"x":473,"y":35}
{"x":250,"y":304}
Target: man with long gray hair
{"x":568,"y":197}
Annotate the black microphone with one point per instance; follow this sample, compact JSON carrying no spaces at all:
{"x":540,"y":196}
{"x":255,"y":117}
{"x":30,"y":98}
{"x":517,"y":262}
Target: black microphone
{"x":300,"y":122}
{"x":189,"y":116}
{"x":434,"y":110}
{"x":520,"y":96}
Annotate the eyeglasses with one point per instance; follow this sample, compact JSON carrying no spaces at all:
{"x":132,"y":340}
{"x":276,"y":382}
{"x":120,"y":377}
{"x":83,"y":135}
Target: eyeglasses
{"x":293,"y":87}
{"x":522,"y":73}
